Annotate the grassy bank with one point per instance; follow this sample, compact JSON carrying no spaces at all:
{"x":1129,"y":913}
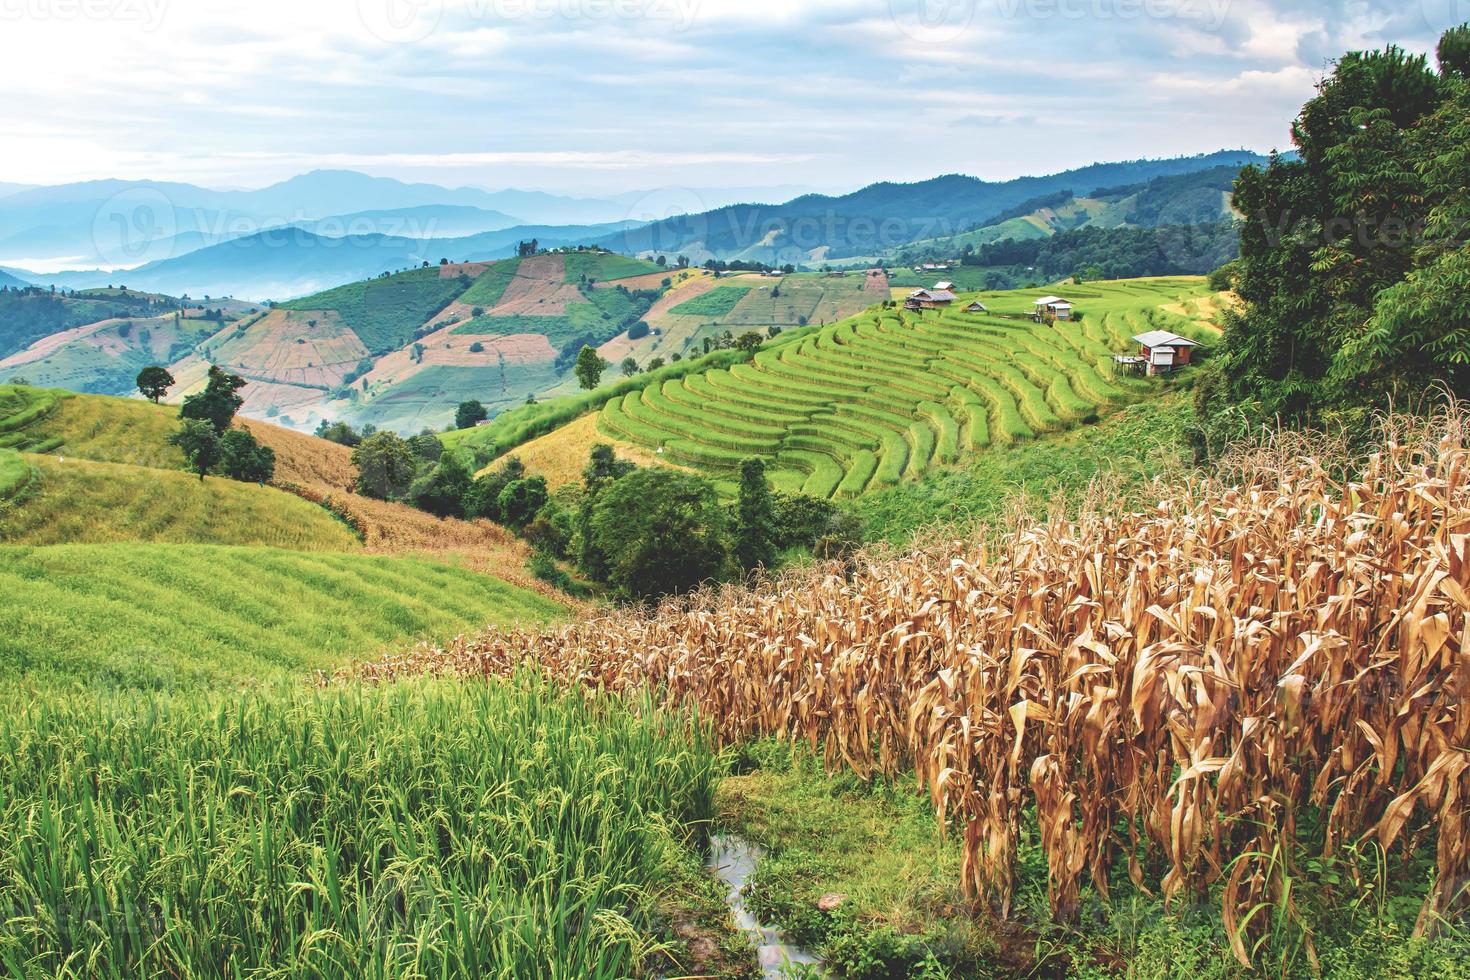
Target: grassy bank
{"x":419,"y":830}
{"x":875,"y":846}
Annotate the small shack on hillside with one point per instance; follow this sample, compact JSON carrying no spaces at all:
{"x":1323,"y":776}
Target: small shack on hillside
{"x":1054,"y":307}
{"x":928,"y":299}
{"x":976,"y":307}
{"x":1160,"y":352}
{"x":946,"y":286}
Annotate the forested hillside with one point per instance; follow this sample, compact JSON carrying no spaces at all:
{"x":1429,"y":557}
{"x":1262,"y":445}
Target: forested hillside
{"x":1355,"y":258}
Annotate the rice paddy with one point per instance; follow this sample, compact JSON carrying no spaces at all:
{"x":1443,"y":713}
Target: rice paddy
{"x":890,"y":395}
{"x":424,"y":831}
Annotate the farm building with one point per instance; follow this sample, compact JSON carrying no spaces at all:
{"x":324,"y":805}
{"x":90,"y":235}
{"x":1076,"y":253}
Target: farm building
{"x":946,"y":286}
{"x":976,"y":307}
{"x":928,"y":299}
{"x":1053,"y":306}
{"x":1159,"y":353}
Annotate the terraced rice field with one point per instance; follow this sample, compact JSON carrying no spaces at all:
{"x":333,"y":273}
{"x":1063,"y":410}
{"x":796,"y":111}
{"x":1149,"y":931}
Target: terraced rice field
{"x":884,"y":396}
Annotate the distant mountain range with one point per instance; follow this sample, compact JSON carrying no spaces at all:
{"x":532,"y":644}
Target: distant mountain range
{"x":283,"y":263}
{"x":125,"y":223}
{"x":879,"y":219}
{"x":327,"y":228}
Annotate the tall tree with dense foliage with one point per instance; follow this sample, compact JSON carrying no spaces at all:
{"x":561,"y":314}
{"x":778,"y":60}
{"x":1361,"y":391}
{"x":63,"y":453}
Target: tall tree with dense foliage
{"x":385,"y":466}
{"x":154,"y":382}
{"x":756,"y":526}
{"x":244,"y":459}
{"x":589,"y":368}
{"x":1354,"y":259}
{"x":469,"y":414}
{"x":199,"y":443}
{"x":664,"y":533}
{"x":603,"y":468}
{"x":218,"y":402}
{"x":443,"y":489}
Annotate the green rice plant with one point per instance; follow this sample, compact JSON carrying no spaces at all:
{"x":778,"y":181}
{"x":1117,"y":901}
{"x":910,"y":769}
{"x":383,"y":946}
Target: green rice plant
{"x":892,"y":460}
{"x":746,"y":411}
{"x":824,"y":473}
{"x":622,"y":423}
{"x":745,"y":381}
{"x":16,"y":477}
{"x":21,"y":406}
{"x":946,"y":430}
{"x":839,"y":429}
{"x":843,"y":452}
{"x":699,"y":423}
{"x":972,"y":410}
{"x":859,"y":474}
{"x":921,"y":442}
{"x":1009,"y":425}
{"x":420,"y":829}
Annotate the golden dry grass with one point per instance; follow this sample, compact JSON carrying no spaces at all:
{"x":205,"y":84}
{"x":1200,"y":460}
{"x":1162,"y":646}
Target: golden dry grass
{"x":562,"y":454}
{"x":321,"y":471}
{"x":1169,"y":689}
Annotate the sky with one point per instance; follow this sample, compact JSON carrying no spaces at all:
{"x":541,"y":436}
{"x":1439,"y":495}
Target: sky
{"x":590,"y":97}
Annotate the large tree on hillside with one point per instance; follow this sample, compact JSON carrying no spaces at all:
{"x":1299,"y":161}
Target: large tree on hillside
{"x":603,"y":469}
{"x":469,"y":414}
{"x":199,"y":443}
{"x":589,"y":368}
{"x":385,"y":466}
{"x":756,"y":526}
{"x":1353,"y":261}
{"x":154,"y":382}
{"x":218,"y":402}
{"x":244,"y":459}
{"x":663,"y":533}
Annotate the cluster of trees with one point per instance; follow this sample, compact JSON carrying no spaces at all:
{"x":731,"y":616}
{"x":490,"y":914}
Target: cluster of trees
{"x":207,"y":437}
{"x":1355,"y":255}
{"x":643,"y":533}
{"x":1114,"y":253}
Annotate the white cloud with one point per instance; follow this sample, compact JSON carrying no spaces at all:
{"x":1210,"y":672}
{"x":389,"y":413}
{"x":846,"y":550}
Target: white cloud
{"x":648,"y":92}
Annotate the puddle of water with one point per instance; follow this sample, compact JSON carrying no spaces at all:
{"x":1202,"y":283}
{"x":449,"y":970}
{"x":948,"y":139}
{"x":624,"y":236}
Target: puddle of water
{"x":733,"y":860}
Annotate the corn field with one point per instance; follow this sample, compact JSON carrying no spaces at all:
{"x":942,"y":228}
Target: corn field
{"x":1174,"y":692}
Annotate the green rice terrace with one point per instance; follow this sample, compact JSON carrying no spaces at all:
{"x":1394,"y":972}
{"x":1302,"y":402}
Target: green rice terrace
{"x":887,"y":395}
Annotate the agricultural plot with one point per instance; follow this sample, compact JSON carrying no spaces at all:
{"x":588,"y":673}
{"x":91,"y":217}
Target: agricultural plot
{"x":888,"y":395}
{"x":106,"y":356}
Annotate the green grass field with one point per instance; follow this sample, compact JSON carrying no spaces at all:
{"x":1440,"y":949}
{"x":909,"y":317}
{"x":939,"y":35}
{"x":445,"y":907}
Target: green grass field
{"x":144,"y":576}
{"x":96,"y":427}
{"x":717,"y":302}
{"x":416,"y":830}
{"x":151,"y":615}
{"x":889,"y":396}
{"x":77,"y":501}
